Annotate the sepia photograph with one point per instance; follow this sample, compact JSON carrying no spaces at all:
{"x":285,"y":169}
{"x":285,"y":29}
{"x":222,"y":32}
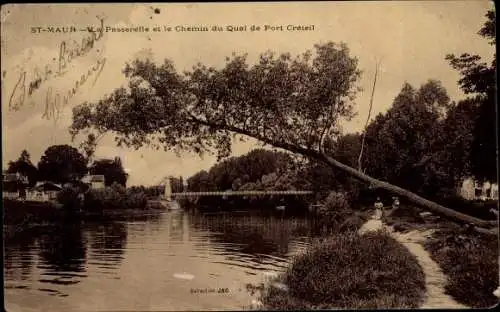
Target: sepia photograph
{"x":249,"y":156}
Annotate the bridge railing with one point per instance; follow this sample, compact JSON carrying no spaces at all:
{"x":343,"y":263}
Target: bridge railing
{"x":240,"y":193}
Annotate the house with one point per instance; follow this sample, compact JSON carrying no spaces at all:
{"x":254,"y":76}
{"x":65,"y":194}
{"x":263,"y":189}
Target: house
{"x":468,"y":189}
{"x":494,"y":191}
{"x":96,"y":181}
{"x":79,"y":186}
{"x":473,"y":190}
{"x":44,"y":191}
{"x":13,"y":185}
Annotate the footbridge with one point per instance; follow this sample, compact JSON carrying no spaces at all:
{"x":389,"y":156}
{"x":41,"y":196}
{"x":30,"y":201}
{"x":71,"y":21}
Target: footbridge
{"x":168,"y":194}
{"x":240,"y":193}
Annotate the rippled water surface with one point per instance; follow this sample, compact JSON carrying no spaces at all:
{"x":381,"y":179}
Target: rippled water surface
{"x":155,"y":263}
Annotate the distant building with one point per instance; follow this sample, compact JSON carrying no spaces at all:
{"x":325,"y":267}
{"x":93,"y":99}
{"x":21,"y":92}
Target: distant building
{"x":14,"y":177}
{"x":96,"y":181}
{"x":13,"y":185}
{"x":44,"y":191}
{"x":473,"y":190}
{"x":467,"y":190}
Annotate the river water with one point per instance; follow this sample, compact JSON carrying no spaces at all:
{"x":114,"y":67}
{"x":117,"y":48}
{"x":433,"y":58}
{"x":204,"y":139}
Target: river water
{"x":172,"y":261}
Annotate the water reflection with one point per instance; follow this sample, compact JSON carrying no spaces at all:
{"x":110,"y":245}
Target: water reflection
{"x":107,"y":244}
{"x":148,"y":263}
{"x":252,"y":242}
{"x":18,"y":255}
{"x":62,"y":254}
{"x":176,"y":226}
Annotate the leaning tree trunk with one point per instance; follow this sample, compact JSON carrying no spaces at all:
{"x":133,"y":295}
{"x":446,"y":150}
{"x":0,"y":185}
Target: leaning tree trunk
{"x":322,"y":157}
{"x":412,"y":197}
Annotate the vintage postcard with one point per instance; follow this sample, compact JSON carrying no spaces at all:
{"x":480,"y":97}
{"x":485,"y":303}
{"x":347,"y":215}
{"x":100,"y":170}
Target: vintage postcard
{"x":249,"y":156}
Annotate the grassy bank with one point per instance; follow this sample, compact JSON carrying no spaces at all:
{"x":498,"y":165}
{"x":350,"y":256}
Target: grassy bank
{"x":18,"y":212}
{"x":350,"y":271}
{"x":470,"y":261}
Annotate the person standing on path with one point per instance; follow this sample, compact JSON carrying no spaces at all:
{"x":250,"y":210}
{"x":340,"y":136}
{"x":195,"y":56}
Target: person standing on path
{"x":379,"y":206}
{"x":395,"y":203}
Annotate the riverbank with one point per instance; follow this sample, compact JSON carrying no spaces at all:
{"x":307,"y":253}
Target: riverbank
{"x":435,"y":281}
{"x":446,"y":276}
{"x":468,"y":259}
{"x":19,"y":216}
{"x":375,"y":271}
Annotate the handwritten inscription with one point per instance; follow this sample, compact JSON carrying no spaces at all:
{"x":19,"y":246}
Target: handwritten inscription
{"x":67,"y":53}
{"x":54,"y":103}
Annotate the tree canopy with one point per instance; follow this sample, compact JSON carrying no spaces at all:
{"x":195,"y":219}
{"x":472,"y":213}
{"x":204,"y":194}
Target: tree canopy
{"x":295,"y":101}
{"x":478,"y":80}
{"x":61,"y":164}
{"x":255,"y":170}
{"x":112,"y":169}
{"x":401,"y":142}
{"x":24,"y":166}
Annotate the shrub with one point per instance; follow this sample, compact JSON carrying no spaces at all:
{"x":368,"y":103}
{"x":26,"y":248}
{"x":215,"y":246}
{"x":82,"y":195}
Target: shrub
{"x":471,"y":263}
{"x":404,"y":214}
{"x":337,"y":202}
{"x":336,"y":215}
{"x":352,"y":190}
{"x":351,"y":271}
{"x":336,"y":206}
{"x":353,"y":223}
{"x":116,"y":197}
{"x":69,"y":198}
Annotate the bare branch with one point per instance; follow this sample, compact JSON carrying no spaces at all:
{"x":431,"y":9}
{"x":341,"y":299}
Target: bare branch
{"x":367,"y":119}
{"x":327,"y":129}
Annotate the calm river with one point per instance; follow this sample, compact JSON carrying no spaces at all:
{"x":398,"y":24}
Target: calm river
{"x":148,"y":264}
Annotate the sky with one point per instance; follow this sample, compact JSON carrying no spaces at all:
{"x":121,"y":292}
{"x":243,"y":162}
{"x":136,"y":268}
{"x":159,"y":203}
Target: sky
{"x":409,"y":38}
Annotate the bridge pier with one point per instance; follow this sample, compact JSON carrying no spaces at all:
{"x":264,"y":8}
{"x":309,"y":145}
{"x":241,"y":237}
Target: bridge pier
{"x":167,"y":193}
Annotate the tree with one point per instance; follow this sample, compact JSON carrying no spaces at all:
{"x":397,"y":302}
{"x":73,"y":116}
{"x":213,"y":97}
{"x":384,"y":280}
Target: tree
{"x":234,"y":172}
{"x":176,"y":184}
{"x":25,"y":167}
{"x":88,"y":146}
{"x":449,"y":159}
{"x":112,"y":169}
{"x":479,"y":81}
{"x":401,"y":144}
{"x":289,"y":103}
{"x":61,"y":164}
{"x":200,"y":182}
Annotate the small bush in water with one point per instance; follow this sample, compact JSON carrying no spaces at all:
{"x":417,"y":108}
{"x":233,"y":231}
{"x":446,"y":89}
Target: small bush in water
{"x":351,"y":271}
{"x":334,"y":212}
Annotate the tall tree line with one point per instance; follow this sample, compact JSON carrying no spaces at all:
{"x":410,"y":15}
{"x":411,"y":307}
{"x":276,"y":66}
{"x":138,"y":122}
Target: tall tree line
{"x":63,"y":164}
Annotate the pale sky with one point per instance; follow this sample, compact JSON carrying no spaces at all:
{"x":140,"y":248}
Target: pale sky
{"x":411,"y":37}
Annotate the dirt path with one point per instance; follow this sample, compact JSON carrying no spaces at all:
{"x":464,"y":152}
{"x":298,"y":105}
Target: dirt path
{"x":435,"y":280}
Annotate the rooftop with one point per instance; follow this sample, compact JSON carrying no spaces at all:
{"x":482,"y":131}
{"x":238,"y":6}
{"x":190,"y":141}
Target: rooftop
{"x":93,"y":178}
{"x":12,"y":177}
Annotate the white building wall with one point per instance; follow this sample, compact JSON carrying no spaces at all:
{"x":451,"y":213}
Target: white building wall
{"x":10,"y":195}
{"x":494,"y":191}
{"x":485,"y":191}
{"x":467,"y":190}
{"x":97,"y":185}
{"x":37,"y":196}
